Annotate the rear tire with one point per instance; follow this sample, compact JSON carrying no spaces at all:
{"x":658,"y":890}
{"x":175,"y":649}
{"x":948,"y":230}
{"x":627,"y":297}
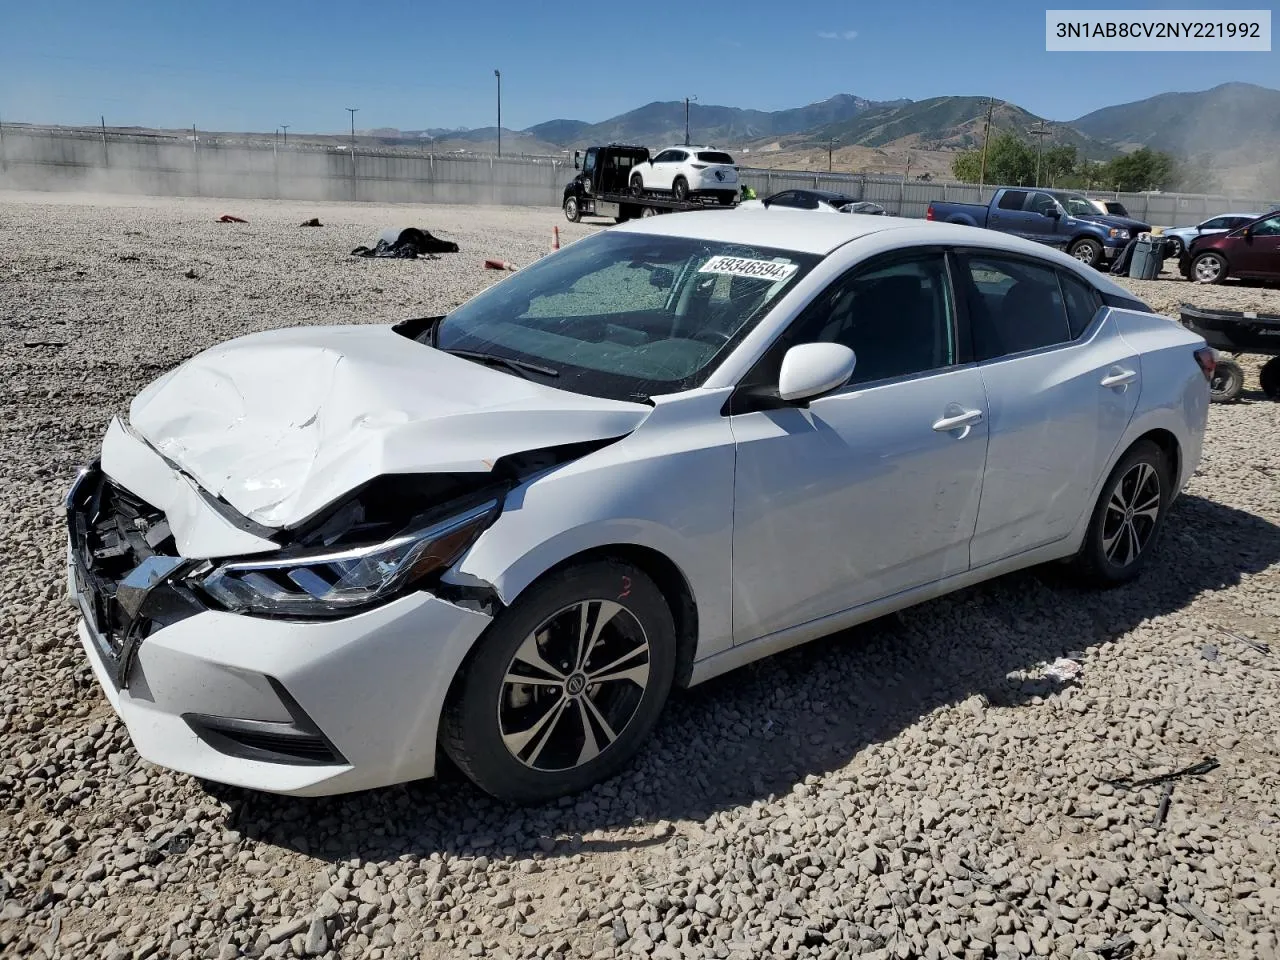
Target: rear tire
{"x":650,"y":212}
{"x":1127,"y":518}
{"x":572,"y":212}
{"x":637,"y":185}
{"x":1269,"y":376}
{"x":599,"y":680}
{"x":1227,"y":382}
{"x":680,"y":189}
{"x":1087,"y":251}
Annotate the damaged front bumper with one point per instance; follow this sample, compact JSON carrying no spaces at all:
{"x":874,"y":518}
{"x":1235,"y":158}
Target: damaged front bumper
{"x":285,"y":706}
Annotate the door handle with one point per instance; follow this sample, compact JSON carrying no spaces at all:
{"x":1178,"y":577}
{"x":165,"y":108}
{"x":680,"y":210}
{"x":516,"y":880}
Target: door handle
{"x":1120,"y":378}
{"x":964,"y":419}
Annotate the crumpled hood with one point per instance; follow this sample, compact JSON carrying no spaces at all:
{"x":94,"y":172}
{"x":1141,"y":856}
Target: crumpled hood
{"x":280,"y":424}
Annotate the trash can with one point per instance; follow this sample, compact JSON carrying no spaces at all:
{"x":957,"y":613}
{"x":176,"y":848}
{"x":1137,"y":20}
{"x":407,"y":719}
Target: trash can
{"x":1148,"y":258}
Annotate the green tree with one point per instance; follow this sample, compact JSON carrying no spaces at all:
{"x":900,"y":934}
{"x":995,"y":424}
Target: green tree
{"x":1010,"y":160}
{"x":967,"y":166}
{"x":1144,"y":169}
{"x":1058,"y":164}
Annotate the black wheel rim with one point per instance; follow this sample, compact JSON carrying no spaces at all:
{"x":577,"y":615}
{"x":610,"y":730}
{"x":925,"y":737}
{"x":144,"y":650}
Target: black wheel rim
{"x":1132,"y":511}
{"x":573,"y":686}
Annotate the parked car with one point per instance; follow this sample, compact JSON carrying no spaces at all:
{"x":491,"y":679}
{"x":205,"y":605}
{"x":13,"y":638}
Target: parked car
{"x":1224,"y":222}
{"x":824,"y":201}
{"x":1249,"y":252}
{"x":309,"y":556}
{"x":1065,"y":220}
{"x":1112,"y":208}
{"x":686,"y":172}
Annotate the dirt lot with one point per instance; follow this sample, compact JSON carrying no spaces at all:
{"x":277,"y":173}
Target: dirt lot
{"x":914,"y":788}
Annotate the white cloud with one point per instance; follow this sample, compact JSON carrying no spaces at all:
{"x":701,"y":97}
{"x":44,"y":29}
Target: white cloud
{"x":838,"y":34}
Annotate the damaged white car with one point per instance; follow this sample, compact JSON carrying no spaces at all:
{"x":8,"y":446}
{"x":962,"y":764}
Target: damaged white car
{"x":308,"y":558}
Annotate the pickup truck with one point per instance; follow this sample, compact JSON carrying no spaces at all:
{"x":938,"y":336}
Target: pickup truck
{"x":1054,"y":217}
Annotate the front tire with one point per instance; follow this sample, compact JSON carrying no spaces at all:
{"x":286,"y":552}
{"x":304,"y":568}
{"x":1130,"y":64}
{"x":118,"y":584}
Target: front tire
{"x":1176,"y":248}
{"x":1227,"y":382}
{"x":680,"y":189}
{"x":1208,"y":268}
{"x":1087,"y":251}
{"x":637,"y":186}
{"x":1127,"y":518}
{"x":572,"y":212}
{"x":564,"y":686}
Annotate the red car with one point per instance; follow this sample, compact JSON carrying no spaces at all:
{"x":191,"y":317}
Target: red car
{"x":1251,"y":251}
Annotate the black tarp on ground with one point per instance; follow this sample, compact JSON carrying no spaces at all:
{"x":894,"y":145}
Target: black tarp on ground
{"x":407,"y":244}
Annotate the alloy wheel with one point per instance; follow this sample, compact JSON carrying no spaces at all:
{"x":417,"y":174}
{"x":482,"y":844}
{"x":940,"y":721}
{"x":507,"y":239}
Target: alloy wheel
{"x":1131,"y":515}
{"x":1208,"y":269}
{"x":573,"y":685}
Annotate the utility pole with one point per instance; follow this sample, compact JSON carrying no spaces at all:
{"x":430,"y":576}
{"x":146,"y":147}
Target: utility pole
{"x":353,"y":111}
{"x":686,"y":119}
{"x":986,"y":136}
{"x":1039,"y":133}
{"x":830,"y":145}
{"x":498,"y":74}
{"x":103,"y":121}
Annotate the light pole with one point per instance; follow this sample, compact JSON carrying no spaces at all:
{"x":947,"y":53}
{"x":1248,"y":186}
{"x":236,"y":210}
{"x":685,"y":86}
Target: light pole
{"x":1039,"y":133}
{"x":830,"y":145}
{"x":498,"y":74}
{"x":686,"y":119}
{"x":285,"y":127}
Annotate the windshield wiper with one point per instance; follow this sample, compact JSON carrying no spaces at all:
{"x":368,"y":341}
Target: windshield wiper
{"x":521,"y":367}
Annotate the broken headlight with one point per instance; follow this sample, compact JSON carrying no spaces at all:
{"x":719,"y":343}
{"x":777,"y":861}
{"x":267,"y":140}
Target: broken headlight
{"x":337,"y":581}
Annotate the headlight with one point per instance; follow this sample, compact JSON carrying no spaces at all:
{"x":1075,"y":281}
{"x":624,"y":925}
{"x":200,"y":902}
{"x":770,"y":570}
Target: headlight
{"x":1117,"y":234}
{"x":333,"y":582}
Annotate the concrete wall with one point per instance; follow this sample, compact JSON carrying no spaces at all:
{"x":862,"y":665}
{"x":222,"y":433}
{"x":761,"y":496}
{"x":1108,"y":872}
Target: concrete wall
{"x":173,"y":166}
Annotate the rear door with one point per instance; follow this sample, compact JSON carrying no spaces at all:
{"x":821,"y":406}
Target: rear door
{"x":1061,"y":387}
{"x":665,"y":167}
{"x":1007,"y":215}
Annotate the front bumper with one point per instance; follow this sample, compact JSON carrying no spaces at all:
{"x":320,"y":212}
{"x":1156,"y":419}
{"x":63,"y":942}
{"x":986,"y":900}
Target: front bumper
{"x":285,"y":706}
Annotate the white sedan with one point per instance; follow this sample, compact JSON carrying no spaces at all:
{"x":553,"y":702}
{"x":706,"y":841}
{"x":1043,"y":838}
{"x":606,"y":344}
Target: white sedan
{"x":309,"y":557}
{"x":686,"y":172}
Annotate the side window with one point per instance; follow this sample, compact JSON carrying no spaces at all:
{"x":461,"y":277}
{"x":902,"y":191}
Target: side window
{"x":787,"y":199}
{"x":678,"y":156}
{"x":1014,"y":305}
{"x":1040,"y":203}
{"x":1268,"y":228}
{"x":1218,"y":223}
{"x":1082,"y":303}
{"x":1012,"y":200}
{"x":589,"y":164}
{"x":663,"y":157}
{"x":897,"y":318}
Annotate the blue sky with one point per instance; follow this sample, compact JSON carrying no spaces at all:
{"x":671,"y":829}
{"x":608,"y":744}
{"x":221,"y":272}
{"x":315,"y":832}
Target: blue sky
{"x":251,"y":66}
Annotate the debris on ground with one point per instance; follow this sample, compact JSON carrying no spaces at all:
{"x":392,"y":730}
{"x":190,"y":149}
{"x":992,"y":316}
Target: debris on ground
{"x":1064,"y":670}
{"x":228,"y":218}
{"x":1209,"y":652}
{"x":44,"y":343}
{"x":1206,"y":921}
{"x":407,"y":244}
{"x":313,"y":222}
{"x":1255,"y":645}
{"x":1207,"y":765}
{"x":500,"y":265}
{"x":191,"y":274}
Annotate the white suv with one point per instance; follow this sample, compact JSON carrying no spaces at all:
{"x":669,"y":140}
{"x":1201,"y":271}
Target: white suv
{"x":686,"y":172}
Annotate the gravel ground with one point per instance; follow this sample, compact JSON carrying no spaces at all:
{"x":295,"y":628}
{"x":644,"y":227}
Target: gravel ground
{"x":914,"y":788}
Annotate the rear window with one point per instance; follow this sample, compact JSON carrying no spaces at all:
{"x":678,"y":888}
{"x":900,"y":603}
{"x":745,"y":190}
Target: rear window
{"x":714,"y":156}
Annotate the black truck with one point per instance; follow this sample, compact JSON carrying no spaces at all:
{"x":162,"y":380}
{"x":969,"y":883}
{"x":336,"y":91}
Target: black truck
{"x":602,"y":187}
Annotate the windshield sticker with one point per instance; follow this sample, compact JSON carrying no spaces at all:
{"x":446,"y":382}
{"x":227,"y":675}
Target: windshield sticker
{"x":742,"y":267}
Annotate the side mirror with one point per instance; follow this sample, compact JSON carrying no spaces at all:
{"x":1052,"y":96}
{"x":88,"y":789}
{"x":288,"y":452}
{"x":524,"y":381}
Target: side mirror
{"x":1247,"y":232}
{"x":811,"y":369}
{"x":1055,"y":213}
{"x":577,"y":164}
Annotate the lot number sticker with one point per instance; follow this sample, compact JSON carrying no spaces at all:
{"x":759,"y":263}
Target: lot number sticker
{"x":742,"y":267}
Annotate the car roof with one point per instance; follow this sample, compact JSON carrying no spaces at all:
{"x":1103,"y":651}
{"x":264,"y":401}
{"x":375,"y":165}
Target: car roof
{"x":692,"y":147}
{"x":822,"y":235}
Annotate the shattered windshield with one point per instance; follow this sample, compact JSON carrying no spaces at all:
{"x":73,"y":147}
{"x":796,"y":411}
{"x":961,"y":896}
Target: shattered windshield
{"x":625,"y":315}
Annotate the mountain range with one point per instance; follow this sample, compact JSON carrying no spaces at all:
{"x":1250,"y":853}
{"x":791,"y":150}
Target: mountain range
{"x":1232,"y":129}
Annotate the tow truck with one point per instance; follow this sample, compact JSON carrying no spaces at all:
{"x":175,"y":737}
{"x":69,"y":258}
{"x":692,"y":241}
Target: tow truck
{"x":601,"y":187}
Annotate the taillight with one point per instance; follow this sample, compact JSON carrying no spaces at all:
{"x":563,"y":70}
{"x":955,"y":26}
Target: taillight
{"x":928,"y":214}
{"x":698,"y":166}
{"x":1207,"y":360}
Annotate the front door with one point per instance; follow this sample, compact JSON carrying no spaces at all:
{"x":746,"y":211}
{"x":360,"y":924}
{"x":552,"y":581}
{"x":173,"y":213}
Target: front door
{"x":1257,"y":255}
{"x":1061,"y":385}
{"x":873,"y":489}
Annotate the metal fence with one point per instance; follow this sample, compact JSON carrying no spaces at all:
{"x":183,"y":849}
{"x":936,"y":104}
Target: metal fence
{"x":201,"y":164}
